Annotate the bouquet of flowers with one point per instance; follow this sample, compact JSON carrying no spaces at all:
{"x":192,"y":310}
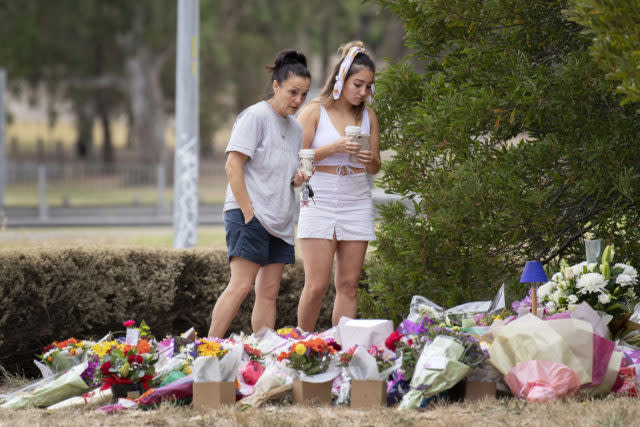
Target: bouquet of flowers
{"x":209,"y":347}
{"x":91,"y":375}
{"x":215,"y":360}
{"x":473,"y":354}
{"x":126,"y":364}
{"x":345,"y":357}
{"x":409,"y":346}
{"x":311,"y":357}
{"x":254,"y":369}
{"x":60,"y":356}
{"x":384,"y":359}
{"x":605,"y":287}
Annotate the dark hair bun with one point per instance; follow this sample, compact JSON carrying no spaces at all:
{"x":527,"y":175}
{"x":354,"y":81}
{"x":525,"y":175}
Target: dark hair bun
{"x":289,"y":56}
{"x":289,"y":63}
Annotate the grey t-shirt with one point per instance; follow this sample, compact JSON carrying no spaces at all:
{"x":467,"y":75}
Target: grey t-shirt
{"x":272,"y":143}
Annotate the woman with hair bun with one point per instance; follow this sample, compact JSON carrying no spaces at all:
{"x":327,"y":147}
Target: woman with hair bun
{"x":340,"y":223}
{"x":259,"y":209}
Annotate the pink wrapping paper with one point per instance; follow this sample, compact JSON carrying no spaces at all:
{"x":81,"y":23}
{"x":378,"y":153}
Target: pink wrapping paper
{"x":602,"y":351}
{"x":542,"y":381}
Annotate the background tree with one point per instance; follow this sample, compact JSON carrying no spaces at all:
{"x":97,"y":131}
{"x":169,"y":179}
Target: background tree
{"x":614,"y":27}
{"x":118,"y":56}
{"x":484,"y":202}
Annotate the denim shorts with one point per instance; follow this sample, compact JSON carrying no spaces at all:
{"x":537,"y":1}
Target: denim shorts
{"x":252,"y":242}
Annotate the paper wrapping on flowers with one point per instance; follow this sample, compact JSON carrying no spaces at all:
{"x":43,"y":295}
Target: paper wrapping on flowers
{"x":66,"y":385}
{"x":211,"y":369}
{"x":608,"y":379}
{"x":95,"y":396}
{"x":45,"y":371}
{"x":165,"y":366}
{"x":270,"y":342}
{"x":437,"y":370}
{"x":542,"y":381}
{"x":422,"y":307}
{"x":341,"y":387}
{"x":362,"y":332}
{"x":497,"y":304}
{"x":363,"y":366}
{"x":177,"y":390}
{"x":276,"y":378}
{"x":325,"y":376}
{"x":588,"y":314}
{"x":530,"y":338}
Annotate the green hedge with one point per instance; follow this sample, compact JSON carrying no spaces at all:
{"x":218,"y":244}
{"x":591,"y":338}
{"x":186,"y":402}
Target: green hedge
{"x":53,"y":294}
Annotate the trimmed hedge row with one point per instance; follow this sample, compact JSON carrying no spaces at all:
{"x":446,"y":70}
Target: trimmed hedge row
{"x":54,"y":294}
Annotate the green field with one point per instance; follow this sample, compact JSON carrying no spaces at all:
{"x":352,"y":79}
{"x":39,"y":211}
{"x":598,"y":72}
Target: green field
{"x":83,"y":193}
{"x":208,"y":237}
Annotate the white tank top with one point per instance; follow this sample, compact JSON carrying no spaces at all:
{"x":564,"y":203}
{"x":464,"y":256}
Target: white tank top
{"x":326,"y":133}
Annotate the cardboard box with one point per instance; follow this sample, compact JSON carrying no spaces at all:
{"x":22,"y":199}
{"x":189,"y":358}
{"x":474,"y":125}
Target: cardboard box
{"x":305,"y":393}
{"x":475,"y":390}
{"x":368,"y":394}
{"x":213,"y":395}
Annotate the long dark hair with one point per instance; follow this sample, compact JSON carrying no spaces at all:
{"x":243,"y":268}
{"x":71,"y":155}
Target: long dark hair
{"x":360,"y":61}
{"x":288,"y":63}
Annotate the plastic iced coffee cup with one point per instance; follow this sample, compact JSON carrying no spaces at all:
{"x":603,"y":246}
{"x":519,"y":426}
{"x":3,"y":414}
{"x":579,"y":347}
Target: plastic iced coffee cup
{"x":352,"y":131}
{"x":306,"y":161}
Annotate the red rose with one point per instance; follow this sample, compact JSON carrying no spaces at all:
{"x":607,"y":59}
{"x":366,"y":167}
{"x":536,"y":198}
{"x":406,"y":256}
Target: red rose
{"x":104,"y":369}
{"x":139,"y":358}
{"x":392,"y":339}
{"x":131,"y":357}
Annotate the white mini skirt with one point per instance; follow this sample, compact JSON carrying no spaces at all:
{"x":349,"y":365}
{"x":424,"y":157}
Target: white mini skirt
{"x":342,"y":206}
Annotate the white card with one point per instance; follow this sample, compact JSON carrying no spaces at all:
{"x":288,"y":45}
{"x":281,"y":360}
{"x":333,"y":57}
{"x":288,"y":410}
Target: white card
{"x":435,"y":363}
{"x":132,"y":336}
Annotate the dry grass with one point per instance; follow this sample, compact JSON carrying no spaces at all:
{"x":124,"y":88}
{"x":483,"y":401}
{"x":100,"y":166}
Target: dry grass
{"x":605,"y":412}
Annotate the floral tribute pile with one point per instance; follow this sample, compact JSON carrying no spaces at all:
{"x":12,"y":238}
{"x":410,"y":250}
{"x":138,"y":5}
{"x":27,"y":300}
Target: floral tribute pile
{"x":584,"y":306}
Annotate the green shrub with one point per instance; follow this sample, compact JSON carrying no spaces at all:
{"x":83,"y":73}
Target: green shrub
{"x":54,"y":294}
{"x":485,"y":199}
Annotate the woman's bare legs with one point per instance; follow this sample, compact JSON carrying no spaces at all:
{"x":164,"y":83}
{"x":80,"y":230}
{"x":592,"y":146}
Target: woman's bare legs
{"x":267,"y":286}
{"x":317,"y":255}
{"x":243,"y":274}
{"x":349,"y":260}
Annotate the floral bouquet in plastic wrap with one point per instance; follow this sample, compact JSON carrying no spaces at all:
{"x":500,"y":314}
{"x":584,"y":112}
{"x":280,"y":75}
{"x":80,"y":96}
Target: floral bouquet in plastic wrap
{"x":312,"y":359}
{"x":254,"y":368}
{"x":60,"y":356}
{"x":123,"y":363}
{"x":607,"y":287}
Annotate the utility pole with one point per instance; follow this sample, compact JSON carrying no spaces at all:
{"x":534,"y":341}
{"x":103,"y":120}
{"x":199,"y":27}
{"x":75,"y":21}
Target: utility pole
{"x":3,"y":151}
{"x":185,"y":183}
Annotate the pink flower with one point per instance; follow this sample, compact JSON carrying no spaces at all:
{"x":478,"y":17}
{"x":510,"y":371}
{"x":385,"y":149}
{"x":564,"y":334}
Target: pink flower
{"x":129,"y":323}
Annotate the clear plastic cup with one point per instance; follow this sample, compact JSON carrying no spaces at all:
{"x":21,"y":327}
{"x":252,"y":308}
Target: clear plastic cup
{"x":306,"y":160}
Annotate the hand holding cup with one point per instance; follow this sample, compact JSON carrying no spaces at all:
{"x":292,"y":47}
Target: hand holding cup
{"x":306,"y":157}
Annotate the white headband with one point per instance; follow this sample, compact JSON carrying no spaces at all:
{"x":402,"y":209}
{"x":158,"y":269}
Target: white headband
{"x":344,"y":69}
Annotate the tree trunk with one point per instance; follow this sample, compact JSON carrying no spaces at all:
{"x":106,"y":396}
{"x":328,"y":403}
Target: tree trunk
{"x":103,"y":113}
{"x":85,"y":113}
{"x":147,"y":105}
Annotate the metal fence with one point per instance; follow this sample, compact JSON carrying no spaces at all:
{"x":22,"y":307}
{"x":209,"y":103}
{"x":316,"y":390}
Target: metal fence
{"x":97,"y":184}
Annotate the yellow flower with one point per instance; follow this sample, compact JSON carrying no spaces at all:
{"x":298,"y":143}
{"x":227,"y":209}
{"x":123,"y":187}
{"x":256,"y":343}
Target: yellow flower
{"x":300,"y":349}
{"x":456,"y":328}
{"x":187,"y":369}
{"x":102,"y":348}
{"x":497,"y":317}
{"x":211,"y":348}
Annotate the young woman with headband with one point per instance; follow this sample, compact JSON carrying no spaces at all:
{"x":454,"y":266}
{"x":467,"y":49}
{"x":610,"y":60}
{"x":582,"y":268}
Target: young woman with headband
{"x":259,"y":210}
{"x":340,"y":223}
